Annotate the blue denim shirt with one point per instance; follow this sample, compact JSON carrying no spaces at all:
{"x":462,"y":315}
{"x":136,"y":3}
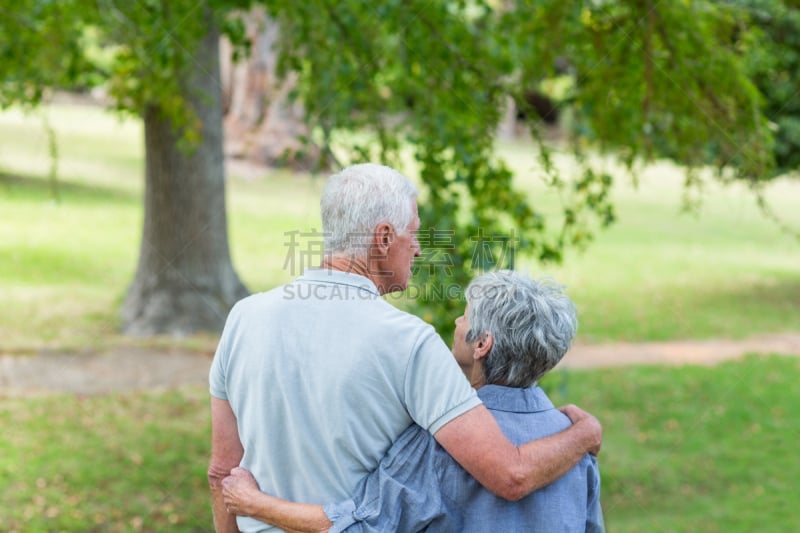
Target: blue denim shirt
{"x":419,"y":487}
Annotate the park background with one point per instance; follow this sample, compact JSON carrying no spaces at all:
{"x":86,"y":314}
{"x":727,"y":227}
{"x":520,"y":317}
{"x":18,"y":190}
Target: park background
{"x":687,"y":448}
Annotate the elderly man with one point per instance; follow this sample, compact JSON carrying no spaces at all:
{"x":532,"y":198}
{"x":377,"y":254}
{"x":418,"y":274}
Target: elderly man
{"x":513,"y":331}
{"x":312,"y":382}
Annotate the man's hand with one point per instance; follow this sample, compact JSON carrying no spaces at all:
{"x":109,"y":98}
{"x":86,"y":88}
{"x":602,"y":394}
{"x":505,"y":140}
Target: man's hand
{"x":240,"y":491}
{"x":589,"y":425}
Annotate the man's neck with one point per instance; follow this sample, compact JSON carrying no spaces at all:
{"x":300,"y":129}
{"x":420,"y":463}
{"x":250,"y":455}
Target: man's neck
{"x":351,"y":265}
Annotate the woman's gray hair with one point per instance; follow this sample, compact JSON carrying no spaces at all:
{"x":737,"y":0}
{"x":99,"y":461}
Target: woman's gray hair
{"x":533,"y":323}
{"x":359,"y":198}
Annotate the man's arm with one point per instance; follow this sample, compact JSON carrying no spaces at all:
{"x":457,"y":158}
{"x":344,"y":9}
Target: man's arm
{"x":475,"y":440}
{"x":226,"y":454}
{"x":243,"y":497}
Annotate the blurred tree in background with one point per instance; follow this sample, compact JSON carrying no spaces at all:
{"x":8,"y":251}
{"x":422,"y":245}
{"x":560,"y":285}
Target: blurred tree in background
{"x":769,"y":37}
{"x":385,"y":80}
{"x":160,"y":61}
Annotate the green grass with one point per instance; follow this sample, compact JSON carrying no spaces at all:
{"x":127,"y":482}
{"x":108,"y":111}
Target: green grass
{"x":118,"y":463}
{"x":656,"y":274}
{"x":685,"y":449}
{"x":661,"y":273}
{"x":696,"y":448}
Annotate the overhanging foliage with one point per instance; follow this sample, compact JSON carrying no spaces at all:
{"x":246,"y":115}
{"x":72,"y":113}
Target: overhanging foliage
{"x":635,"y":78}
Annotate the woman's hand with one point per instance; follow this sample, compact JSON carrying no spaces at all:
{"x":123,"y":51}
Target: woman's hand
{"x":240,"y":492}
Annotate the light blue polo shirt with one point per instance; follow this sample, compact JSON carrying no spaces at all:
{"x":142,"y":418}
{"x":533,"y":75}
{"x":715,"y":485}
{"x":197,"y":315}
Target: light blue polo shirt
{"x":323,"y":375}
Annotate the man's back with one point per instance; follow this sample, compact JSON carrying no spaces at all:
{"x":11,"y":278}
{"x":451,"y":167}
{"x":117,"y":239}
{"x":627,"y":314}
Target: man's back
{"x":323,"y":375}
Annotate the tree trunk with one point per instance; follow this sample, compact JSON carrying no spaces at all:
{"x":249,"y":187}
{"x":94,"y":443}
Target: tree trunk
{"x":262,"y":124}
{"x":185,"y":281}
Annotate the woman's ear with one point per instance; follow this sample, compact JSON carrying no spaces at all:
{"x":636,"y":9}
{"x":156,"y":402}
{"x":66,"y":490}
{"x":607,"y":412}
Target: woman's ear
{"x":483,"y":346}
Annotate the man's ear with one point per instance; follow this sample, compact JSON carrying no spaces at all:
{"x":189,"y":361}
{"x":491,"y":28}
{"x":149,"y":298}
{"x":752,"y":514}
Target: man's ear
{"x":383,"y":237}
{"x":483,"y":346}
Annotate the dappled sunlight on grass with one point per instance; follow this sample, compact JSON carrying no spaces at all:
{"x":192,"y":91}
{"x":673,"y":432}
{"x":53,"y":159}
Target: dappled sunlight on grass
{"x":36,"y":189}
{"x":94,"y":145}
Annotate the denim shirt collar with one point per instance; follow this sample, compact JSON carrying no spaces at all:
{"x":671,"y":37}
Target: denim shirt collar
{"x":338,"y":277}
{"x":514,"y":400}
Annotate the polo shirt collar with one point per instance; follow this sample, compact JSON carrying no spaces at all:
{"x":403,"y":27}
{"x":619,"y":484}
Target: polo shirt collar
{"x":514,"y":400}
{"x":338,"y":277}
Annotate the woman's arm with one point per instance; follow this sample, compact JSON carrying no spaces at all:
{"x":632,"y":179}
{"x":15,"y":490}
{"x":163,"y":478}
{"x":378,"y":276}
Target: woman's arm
{"x":402,"y":494}
{"x":243,"y":497}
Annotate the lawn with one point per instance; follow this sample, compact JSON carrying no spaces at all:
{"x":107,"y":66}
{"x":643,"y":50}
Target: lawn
{"x":113,"y":464}
{"x":661,"y":272}
{"x":697,"y":448}
{"x":686,"y":449}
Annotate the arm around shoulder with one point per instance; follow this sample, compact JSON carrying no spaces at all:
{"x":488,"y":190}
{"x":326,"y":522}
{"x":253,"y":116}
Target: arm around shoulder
{"x":589,"y":430}
{"x":476,"y":442}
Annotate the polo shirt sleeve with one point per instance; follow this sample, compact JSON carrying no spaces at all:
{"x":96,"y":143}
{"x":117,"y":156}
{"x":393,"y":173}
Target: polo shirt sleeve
{"x":402,"y":494}
{"x":435,"y":389}
{"x":217,"y":372}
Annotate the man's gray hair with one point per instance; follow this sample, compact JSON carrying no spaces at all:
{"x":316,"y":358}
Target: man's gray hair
{"x":357,"y":199}
{"x":533,"y":323}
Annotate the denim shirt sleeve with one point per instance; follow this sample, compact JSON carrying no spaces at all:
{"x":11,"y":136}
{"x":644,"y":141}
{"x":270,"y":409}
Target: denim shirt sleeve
{"x":402,"y":494}
{"x":341,"y":514}
{"x":594,"y":513}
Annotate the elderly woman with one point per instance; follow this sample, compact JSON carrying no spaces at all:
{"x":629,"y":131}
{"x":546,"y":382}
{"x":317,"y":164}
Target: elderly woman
{"x":513,"y":331}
